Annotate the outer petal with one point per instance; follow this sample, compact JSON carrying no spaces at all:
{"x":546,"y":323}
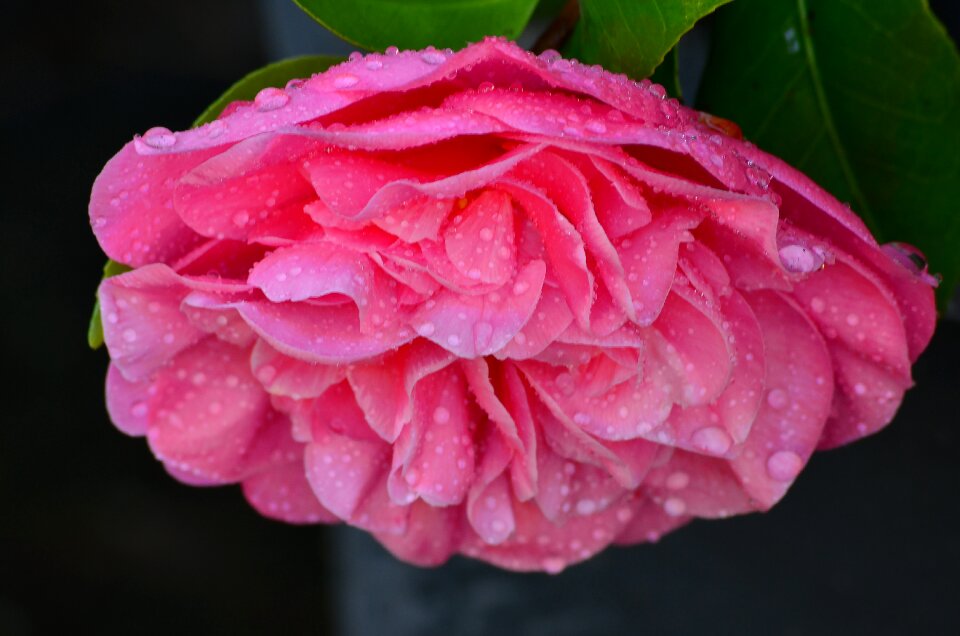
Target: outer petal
{"x":283,"y":493}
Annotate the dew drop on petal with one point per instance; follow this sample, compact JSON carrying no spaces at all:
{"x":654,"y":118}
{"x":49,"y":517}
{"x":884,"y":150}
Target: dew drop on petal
{"x":441,"y":415}
{"x":159,"y":137}
{"x":777,"y":398}
{"x":784,"y":465}
{"x":674,"y":506}
{"x":345,"y":80}
{"x":678,"y":480}
{"x":271,"y":98}
{"x":712,"y":439}
{"x":799,"y":259}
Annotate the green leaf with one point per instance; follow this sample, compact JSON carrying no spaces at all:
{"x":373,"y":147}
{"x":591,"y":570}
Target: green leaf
{"x":863,"y":96}
{"x":276,"y":75}
{"x":415,"y":24}
{"x":633,"y":36}
{"x":668,"y":74}
{"x":95,"y":330}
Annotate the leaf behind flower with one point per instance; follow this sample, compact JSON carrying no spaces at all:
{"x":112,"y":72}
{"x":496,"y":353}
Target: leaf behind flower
{"x":633,"y":37}
{"x":863,"y":96}
{"x":415,"y":24}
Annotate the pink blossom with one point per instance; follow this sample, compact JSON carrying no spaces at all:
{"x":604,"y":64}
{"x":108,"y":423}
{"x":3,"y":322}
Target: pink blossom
{"x":493,"y":304}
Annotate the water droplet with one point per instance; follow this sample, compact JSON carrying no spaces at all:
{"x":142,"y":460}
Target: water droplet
{"x":520,"y":287}
{"x":139,"y":409}
{"x":799,"y":259}
{"x":550,"y":55}
{"x":674,"y":506}
{"x":426,"y":329}
{"x":441,"y":415}
{"x":784,"y":465}
{"x":586,"y":507}
{"x":240,"y":218}
{"x":266,"y":373}
{"x":678,"y":480}
{"x":346,"y":80}
{"x":777,"y":398}
{"x":432,"y":56}
{"x":392,"y":50}
{"x":129,"y":335}
{"x":215,"y":128}
{"x":453,"y":340}
{"x":485,"y":87}
{"x":271,"y":99}
{"x":565,"y":383}
{"x":486,"y":234}
{"x":159,"y":137}
{"x":712,"y":439}
{"x":596,"y":126}
{"x":374,"y":64}
{"x":553,"y":565}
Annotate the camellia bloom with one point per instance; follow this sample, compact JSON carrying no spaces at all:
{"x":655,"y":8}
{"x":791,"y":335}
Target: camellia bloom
{"x":492,"y":303}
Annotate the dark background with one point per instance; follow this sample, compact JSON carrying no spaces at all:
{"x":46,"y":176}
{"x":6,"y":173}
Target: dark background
{"x":94,"y":534}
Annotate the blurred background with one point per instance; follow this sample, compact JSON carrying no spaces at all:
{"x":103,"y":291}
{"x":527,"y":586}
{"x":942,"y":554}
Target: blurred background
{"x":95,"y":535}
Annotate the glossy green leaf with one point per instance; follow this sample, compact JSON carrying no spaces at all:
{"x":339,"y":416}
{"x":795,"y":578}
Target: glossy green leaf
{"x":415,"y":24}
{"x":276,"y":75}
{"x":95,"y":330}
{"x":863,"y":96}
{"x":633,"y":36}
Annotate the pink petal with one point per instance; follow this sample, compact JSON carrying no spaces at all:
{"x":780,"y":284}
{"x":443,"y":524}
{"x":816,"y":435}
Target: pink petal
{"x":695,"y":348}
{"x":799,"y":391}
{"x":568,"y":189}
{"x":565,"y":250}
{"x":283,"y":493}
{"x":143,"y":326}
{"x":282,"y":375}
{"x":315,"y":270}
{"x":232,"y":193}
{"x":648,"y":522}
{"x":715,"y":427}
{"x":431,"y":536}
{"x":850,"y":306}
{"x":320,"y":334}
{"x":439,"y":466}
{"x":471,"y":326}
{"x":344,"y":471}
{"x":384,"y":388}
{"x":208,"y":412}
{"x":538,"y":544}
{"x":866,"y":399}
{"x":417,"y":219}
{"x":130,"y":211}
{"x":550,"y":318}
{"x":479,"y":241}
{"x":649,"y":258}
{"x":697,"y":485}
{"x":621,"y":207}
{"x":128,"y":402}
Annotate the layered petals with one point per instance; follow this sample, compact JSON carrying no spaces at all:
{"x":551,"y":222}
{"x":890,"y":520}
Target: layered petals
{"x":494,"y":304}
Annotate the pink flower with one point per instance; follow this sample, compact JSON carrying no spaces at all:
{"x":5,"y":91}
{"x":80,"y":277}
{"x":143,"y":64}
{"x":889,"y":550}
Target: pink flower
{"x":489,"y":303}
